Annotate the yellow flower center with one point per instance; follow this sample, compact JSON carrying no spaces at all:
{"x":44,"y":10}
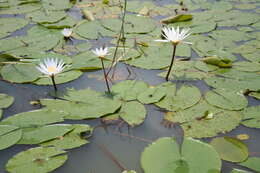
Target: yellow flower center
{"x":51,"y":69}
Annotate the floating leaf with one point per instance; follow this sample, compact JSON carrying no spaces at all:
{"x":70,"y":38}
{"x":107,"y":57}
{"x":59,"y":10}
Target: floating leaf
{"x":94,"y":30}
{"x":230,"y":149}
{"x":232,"y":84}
{"x":20,"y":73}
{"x":39,"y":159}
{"x":60,"y":78}
{"x":252,"y":163}
{"x":238,"y":171}
{"x":20,"y":9}
{"x":151,"y":95}
{"x":56,"y":5}
{"x":83,"y":104}
{"x":256,"y":95}
{"x":222,"y":63}
{"x":35,"y":118}
{"x":129,"y":89}
{"x":226,"y":99}
{"x":73,"y":139}
{"x":176,"y":98}
{"x":42,"y":134}
{"x":204,"y":120}
{"x":246,"y":66}
{"x":46,"y":17}
{"x":251,"y":117}
{"x":133,"y":24}
{"x":133,"y":113}
{"x":9,"y":135}
{"x":177,"y":18}
{"x":5,"y":100}
{"x":10,"y":25}
{"x":164,"y":156}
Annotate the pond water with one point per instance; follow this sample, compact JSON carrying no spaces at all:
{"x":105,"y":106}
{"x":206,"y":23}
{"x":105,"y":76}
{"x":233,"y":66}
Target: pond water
{"x":126,"y":143}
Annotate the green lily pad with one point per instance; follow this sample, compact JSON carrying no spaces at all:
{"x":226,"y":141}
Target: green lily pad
{"x":20,"y":9}
{"x":151,"y":95}
{"x":10,"y":25}
{"x":39,"y":159}
{"x":87,"y":61}
{"x":94,"y":30}
{"x":129,"y":89}
{"x":246,"y":66}
{"x":188,"y":70}
{"x":46,"y":16}
{"x":56,"y":5}
{"x":204,"y":120}
{"x":6,"y":100}
{"x":230,"y":149}
{"x":251,"y":117}
{"x":60,"y":78}
{"x":133,"y":24}
{"x":67,"y":22}
{"x":42,"y":134}
{"x":10,"y":43}
{"x":239,"y":171}
{"x":35,"y":118}
{"x":176,"y":98}
{"x":9,"y":135}
{"x":133,"y":113}
{"x":177,"y":18}
{"x":256,"y":95}
{"x":252,"y":163}
{"x":158,"y":57}
{"x":76,"y":106}
{"x":226,"y":99}
{"x":230,"y":35}
{"x":73,"y":139}
{"x":20,"y":73}
{"x":233,"y":84}
{"x":164,"y":156}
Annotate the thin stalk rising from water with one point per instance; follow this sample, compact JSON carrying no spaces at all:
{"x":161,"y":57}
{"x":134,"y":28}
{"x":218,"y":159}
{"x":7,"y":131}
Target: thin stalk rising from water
{"x":173,"y":56}
{"x":105,"y":75}
{"x":53,"y":82}
{"x":121,"y":37}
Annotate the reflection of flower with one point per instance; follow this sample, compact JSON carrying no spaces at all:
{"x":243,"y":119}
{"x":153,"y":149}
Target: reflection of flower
{"x":51,"y":66}
{"x":66,"y":32}
{"x":175,"y":36}
{"x":101,"y":52}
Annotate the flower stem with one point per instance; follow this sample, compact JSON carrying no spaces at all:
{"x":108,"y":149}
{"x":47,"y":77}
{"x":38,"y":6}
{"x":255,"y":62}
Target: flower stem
{"x":53,"y":82}
{"x":105,"y":74}
{"x":173,"y":55}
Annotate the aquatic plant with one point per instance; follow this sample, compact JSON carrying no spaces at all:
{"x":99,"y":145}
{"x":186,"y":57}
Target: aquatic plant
{"x":174,"y":36}
{"x":101,"y":53}
{"x":51,"y":67}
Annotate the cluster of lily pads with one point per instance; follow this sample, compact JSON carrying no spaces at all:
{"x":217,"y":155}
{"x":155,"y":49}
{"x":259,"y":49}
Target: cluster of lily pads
{"x":221,"y":31}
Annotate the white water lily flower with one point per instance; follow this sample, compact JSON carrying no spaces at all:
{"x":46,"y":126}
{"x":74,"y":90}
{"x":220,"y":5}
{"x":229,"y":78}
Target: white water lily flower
{"x":175,"y":36}
{"x":66,"y":32}
{"x":51,"y":66}
{"x":101,"y":52}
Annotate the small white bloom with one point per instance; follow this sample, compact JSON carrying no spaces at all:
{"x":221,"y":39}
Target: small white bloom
{"x":101,"y":52}
{"x":51,"y":66}
{"x":66,"y":32}
{"x":175,"y":36}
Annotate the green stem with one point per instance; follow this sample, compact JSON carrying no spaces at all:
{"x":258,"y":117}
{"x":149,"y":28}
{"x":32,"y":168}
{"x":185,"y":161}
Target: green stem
{"x":53,"y":82}
{"x":105,"y":75}
{"x":173,"y":55}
